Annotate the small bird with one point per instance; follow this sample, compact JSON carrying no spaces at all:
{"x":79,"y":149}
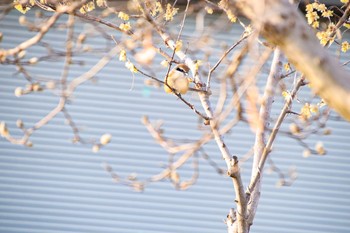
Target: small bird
{"x":177,"y":79}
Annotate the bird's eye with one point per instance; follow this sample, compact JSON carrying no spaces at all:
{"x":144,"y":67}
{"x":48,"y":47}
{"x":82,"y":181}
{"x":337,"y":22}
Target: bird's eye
{"x":181,"y":70}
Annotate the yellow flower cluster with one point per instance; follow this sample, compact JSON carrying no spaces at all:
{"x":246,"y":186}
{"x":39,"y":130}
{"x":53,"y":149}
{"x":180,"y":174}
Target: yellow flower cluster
{"x":90,"y":6}
{"x":24,"y":6}
{"x":125,"y":26}
{"x":307,"y":110}
{"x":324,"y":36}
{"x":128,"y":64}
{"x":231,"y":16}
{"x":123,"y":16}
{"x":156,"y":8}
{"x":312,"y":11}
{"x":170,"y":12}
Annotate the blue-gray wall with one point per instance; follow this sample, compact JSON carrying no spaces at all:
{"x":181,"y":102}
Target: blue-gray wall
{"x":57,"y":186}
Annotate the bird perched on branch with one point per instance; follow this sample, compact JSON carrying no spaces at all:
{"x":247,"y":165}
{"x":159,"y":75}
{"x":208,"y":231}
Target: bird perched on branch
{"x":177,"y":79}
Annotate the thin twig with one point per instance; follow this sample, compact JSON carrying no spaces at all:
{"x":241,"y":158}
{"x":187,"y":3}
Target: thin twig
{"x":177,"y":40}
{"x":35,"y":39}
{"x":92,"y":72}
{"x":223,"y":57}
{"x":69,"y":46}
{"x":249,"y":79}
{"x":77,"y":137}
{"x":342,"y":20}
{"x":191,"y":106}
{"x":102,"y":21}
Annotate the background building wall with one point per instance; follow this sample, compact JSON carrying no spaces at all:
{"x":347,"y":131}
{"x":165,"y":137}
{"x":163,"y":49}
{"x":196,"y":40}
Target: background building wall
{"x":57,"y":186}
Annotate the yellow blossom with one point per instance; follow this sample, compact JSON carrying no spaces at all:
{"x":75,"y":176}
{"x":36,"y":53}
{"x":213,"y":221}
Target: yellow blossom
{"x":305,"y":112}
{"x":158,"y":8}
{"x":327,"y":13}
{"x":125,"y":26}
{"x":286,"y":66}
{"x":344,"y":1}
{"x":209,"y":10}
{"x":312,"y":16}
{"x":315,"y":5}
{"x":178,"y":45}
{"x":347,"y":25}
{"x":309,"y":8}
{"x":170,"y":12}
{"x":323,"y":37}
{"x":286,"y":95}
{"x":315,"y":24}
{"x":321,"y":7}
{"x":101,"y":3}
{"x":123,"y":16}
{"x":345,"y":46}
{"x":21,"y":8}
{"x":231,"y":16}
{"x":131,"y":66}
{"x":90,"y":6}
{"x":122,"y":55}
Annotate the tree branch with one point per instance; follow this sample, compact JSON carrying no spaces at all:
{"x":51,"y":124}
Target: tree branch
{"x":258,"y":172}
{"x":241,"y":223}
{"x":264,"y":115}
{"x":204,"y":99}
{"x":35,"y":39}
{"x":283,"y":25}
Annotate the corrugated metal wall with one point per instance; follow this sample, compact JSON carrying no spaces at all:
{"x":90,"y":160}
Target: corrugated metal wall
{"x":57,"y":186}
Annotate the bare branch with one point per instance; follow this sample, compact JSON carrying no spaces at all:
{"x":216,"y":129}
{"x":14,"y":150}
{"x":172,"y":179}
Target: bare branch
{"x":92,"y":72}
{"x":101,"y":21}
{"x":258,"y":173}
{"x":264,"y":115}
{"x":35,"y":39}
{"x":245,"y":36}
{"x":342,"y":20}
{"x":69,"y":46}
{"x":169,"y":147}
{"x":43,"y":30}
